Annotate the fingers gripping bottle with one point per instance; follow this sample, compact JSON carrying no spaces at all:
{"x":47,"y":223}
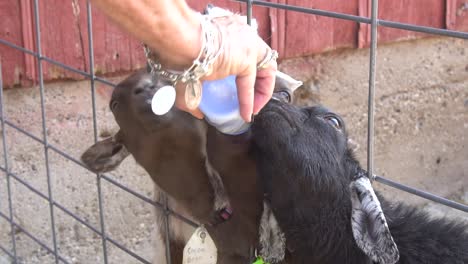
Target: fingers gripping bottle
{"x":219,"y":100}
{"x":218,"y":103}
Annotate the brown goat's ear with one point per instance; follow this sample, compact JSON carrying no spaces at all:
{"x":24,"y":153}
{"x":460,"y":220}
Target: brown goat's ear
{"x":369,"y":225}
{"x":271,"y":239}
{"x":105,"y":155}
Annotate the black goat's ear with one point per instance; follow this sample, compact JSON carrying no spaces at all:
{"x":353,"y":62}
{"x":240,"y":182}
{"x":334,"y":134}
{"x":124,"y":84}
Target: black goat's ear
{"x":105,"y":155}
{"x":286,"y":82}
{"x":369,"y":225}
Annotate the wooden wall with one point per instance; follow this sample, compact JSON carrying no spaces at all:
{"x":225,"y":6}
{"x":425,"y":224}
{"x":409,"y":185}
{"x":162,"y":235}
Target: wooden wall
{"x":64,"y":34}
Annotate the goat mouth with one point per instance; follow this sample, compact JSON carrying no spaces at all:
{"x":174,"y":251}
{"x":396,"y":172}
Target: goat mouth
{"x":272,"y":117}
{"x":278,"y":106}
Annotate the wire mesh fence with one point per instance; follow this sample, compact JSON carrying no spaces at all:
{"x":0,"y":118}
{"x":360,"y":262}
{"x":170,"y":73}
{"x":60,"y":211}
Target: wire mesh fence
{"x":55,"y":207}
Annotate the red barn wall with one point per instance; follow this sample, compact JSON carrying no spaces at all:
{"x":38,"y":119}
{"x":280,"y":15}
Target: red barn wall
{"x":12,"y":61}
{"x":457,"y":15}
{"x":430,"y":13}
{"x":300,"y":34}
{"x":64,"y":34}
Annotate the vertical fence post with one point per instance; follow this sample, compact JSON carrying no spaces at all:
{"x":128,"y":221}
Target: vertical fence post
{"x":249,"y":21}
{"x":167,"y":236}
{"x":92,"y":78}
{"x":249,"y":12}
{"x":371,"y":99}
{"x":44,"y":125}
{"x":7,"y":169}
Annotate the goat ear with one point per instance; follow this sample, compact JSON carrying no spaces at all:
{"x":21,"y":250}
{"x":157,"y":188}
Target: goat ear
{"x":285,"y":81}
{"x":105,"y":155}
{"x":369,"y":225}
{"x":271,"y":239}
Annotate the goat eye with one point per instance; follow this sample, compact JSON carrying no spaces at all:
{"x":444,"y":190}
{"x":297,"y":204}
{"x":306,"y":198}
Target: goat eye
{"x":138,"y":91}
{"x":285,"y":95}
{"x":113,"y":105}
{"x":333,"y":121}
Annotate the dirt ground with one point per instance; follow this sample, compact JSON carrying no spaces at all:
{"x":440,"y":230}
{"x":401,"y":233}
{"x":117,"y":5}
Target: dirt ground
{"x":421,"y":139}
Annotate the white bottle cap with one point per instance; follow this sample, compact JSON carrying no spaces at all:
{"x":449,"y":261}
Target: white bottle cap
{"x":163,"y":100}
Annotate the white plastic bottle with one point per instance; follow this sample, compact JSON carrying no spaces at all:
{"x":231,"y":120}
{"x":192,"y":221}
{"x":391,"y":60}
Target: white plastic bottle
{"x":219,"y":102}
{"x":220,"y":106}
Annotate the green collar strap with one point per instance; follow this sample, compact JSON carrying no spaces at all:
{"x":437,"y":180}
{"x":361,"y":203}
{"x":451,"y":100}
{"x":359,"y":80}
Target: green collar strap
{"x":260,"y":260}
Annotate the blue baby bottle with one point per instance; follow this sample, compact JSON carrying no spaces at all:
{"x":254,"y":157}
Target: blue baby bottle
{"x":220,"y":105}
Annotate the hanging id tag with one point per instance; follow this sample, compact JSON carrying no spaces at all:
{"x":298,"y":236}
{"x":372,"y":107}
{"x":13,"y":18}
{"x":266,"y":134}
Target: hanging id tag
{"x":200,"y":249}
{"x":163,"y":100}
{"x":193,"y":94}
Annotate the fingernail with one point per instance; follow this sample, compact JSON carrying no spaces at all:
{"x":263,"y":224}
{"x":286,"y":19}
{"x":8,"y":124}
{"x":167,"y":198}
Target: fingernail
{"x":248,"y":119}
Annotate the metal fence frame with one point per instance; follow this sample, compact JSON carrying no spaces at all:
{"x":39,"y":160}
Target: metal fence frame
{"x":53,"y":205}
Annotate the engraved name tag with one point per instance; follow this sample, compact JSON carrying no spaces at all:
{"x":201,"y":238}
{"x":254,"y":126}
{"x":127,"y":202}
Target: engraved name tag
{"x":200,"y":249}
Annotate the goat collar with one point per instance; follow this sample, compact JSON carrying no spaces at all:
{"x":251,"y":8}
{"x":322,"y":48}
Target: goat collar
{"x":220,"y":216}
{"x":361,"y":173}
{"x":225,"y":213}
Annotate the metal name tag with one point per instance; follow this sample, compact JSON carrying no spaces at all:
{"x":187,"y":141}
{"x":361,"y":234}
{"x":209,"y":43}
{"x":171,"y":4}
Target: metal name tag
{"x":200,"y":249}
{"x":193,"y":94}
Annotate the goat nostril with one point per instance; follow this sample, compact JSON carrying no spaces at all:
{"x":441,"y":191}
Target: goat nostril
{"x":114,"y":105}
{"x":116,"y":149}
{"x":286,"y":96}
{"x":138,"y":91}
{"x":283,"y":96}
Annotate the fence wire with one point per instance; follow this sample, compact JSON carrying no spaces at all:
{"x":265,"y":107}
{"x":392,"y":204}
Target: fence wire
{"x":101,"y":231}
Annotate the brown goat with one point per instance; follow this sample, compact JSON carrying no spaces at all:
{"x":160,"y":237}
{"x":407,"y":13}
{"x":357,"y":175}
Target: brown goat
{"x":174,"y":150}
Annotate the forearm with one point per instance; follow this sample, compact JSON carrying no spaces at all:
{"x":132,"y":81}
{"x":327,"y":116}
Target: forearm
{"x":167,"y":26}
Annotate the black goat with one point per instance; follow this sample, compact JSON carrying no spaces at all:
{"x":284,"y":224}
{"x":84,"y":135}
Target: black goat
{"x":324,"y":202}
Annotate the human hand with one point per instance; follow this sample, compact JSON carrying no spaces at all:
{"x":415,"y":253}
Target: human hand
{"x":172,"y":31}
{"x":243,"y":50}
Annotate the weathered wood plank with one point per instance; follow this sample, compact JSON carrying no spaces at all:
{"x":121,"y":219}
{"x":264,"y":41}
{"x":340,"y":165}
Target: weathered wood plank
{"x":13,"y":68}
{"x":457,"y":15}
{"x":429,"y":13}
{"x":302,"y":34}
